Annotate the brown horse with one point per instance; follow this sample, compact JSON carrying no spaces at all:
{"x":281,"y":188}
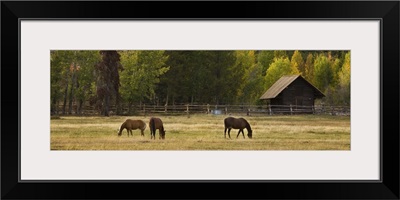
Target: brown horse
{"x":130,"y":125}
{"x":154,"y":124}
{"x":237,"y":123}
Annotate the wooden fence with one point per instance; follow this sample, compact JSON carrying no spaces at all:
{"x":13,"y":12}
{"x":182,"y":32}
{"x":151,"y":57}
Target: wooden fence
{"x":188,"y":109}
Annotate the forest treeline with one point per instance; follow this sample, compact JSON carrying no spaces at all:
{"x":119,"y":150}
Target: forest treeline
{"x":131,"y":77}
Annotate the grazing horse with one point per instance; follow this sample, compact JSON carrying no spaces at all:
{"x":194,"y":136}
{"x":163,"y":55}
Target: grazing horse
{"x":154,"y":124}
{"x":130,"y":125}
{"x":237,"y":123}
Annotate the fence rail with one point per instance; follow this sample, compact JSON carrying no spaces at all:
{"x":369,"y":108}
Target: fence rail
{"x":215,"y":110}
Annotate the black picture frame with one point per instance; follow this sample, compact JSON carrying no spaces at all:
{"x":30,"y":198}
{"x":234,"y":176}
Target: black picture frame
{"x":386,"y":11}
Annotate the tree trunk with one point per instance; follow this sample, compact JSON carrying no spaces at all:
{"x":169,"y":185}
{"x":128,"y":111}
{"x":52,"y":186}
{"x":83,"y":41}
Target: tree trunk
{"x":65,"y":98}
{"x":107,"y":106}
{"x":53,"y":106}
{"x":57,"y":106}
{"x":71,"y":94}
{"x":117,"y":102}
{"x":79,"y":111}
{"x":70,"y":99}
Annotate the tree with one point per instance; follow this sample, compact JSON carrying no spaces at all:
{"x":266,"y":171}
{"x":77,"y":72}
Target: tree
{"x":141,"y":75}
{"x":225,"y":76}
{"x":280,"y":67}
{"x":85,"y":85}
{"x":56,"y":76}
{"x":344,"y":81}
{"x":107,"y":84}
{"x":71,"y":78}
{"x":60,"y":78}
{"x":203,"y":76}
{"x":336,"y":65}
{"x":323,"y":74}
{"x":309,"y":68}
{"x":252,"y":78}
{"x":196,"y":75}
{"x":253,"y":86}
{"x":264,"y":60}
{"x":280,"y":54}
{"x":298,"y":62}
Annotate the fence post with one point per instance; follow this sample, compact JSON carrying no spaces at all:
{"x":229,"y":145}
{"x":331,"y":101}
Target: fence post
{"x":144,"y":109}
{"x":208,"y":108}
{"x":248,"y":111}
{"x":187,"y":110}
{"x":226,"y":110}
{"x":270,"y":110}
{"x":291,"y":110}
{"x":313,"y":109}
{"x":165,"y":108}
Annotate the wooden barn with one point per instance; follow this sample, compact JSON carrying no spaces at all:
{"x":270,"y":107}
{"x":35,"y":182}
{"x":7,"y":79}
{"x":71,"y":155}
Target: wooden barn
{"x":292,"y":94}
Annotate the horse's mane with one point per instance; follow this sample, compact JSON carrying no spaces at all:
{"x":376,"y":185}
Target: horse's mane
{"x":247,"y":123}
{"x":123,"y":124}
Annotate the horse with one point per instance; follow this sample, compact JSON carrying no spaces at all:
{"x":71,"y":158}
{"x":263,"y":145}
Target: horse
{"x":237,"y":123}
{"x":154,"y":124}
{"x":130,"y":125}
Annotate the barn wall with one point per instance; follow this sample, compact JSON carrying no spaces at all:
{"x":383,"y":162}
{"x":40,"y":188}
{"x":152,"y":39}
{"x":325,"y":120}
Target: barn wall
{"x":298,"y":93}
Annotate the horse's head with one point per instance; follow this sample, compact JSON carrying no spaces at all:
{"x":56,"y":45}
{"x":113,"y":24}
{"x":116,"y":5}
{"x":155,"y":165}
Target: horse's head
{"x":119,"y":132}
{"x":162,"y":133}
{"x":250,"y":133}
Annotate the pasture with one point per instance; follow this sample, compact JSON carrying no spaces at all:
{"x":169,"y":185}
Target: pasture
{"x":203,"y":132}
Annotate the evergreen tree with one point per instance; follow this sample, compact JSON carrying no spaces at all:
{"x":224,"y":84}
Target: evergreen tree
{"x":107,"y":84}
{"x":298,"y":62}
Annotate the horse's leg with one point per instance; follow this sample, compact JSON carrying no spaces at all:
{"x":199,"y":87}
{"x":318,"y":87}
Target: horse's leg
{"x":225,"y":132}
{"x":242,"y":133}
{"x":238,"y":133}
{"x":229,"y":133}
{"x":141,"y":132}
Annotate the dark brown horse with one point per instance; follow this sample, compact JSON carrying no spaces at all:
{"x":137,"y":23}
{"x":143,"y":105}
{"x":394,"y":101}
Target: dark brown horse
{"x":237,"y":123}
{"x":154,"y":124}
{"x":130,"y":125}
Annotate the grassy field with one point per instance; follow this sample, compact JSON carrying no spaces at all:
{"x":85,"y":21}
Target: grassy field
{"x":204,"y":132}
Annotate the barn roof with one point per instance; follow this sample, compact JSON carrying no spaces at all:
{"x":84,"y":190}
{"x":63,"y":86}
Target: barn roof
{"x":284,"y":82}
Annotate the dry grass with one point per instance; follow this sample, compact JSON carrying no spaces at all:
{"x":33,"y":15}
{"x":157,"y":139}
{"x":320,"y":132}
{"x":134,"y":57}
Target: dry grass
{"x":204,"y":132}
